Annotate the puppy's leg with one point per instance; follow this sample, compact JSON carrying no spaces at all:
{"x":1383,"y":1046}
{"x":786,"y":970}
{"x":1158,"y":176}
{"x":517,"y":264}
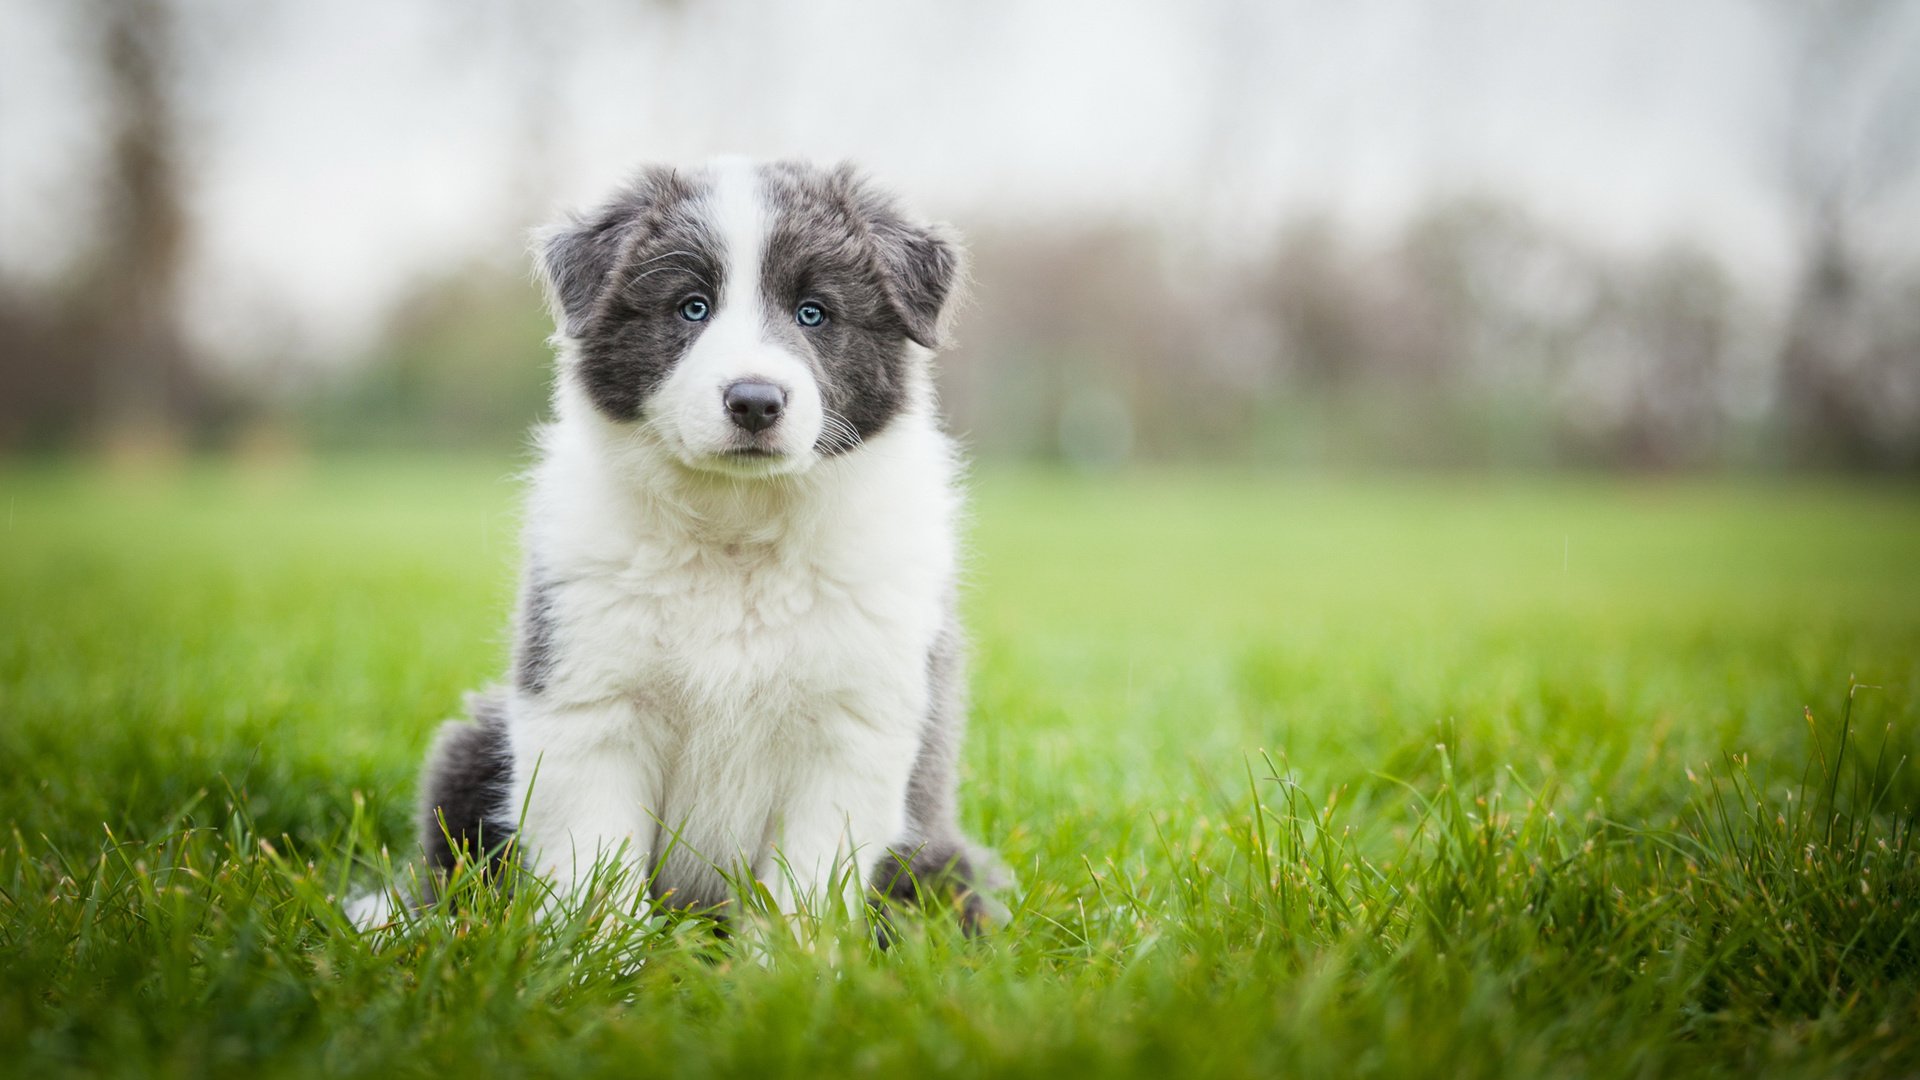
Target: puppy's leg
{"x":463,"y":789}
{"x":932,"y":864}
{"x":940,"y":872}
{"x":584,"y":785}
{"x":845,"y":805}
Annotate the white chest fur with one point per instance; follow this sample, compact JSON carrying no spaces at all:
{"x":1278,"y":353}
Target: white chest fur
{"x":736,"y":668}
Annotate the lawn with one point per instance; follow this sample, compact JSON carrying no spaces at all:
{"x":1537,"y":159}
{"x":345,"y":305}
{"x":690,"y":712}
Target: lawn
{"x":1453,"y":777}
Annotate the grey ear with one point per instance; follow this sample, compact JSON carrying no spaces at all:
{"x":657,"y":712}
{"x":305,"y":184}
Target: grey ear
{"x":575,"y":257}
{"x":922,"y":267}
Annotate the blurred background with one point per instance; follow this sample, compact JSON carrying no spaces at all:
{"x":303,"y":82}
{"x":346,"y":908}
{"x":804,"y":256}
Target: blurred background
{"x":1482,"y":235}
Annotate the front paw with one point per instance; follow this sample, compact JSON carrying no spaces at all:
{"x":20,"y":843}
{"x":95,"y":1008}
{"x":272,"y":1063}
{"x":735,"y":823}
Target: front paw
{"x":941,"y":875}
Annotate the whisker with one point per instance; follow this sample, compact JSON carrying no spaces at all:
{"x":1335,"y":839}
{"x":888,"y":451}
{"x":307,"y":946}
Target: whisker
{"x":844,"y":436}
{"x":693,"y":271}
{"x":662,"y":269}
{"x":627,"y":290}
{"x":669,"y":255}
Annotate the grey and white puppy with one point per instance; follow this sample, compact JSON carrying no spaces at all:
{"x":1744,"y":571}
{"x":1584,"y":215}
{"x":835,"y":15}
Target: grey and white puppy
{"x":736,"y":644}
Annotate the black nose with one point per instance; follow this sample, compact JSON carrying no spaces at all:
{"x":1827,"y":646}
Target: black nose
{"x":755,"y":406}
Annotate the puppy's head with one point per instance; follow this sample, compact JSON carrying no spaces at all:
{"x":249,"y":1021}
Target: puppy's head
{"x":753,"y":318}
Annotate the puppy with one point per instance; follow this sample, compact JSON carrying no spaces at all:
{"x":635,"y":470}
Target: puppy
{"x":736,"y":652}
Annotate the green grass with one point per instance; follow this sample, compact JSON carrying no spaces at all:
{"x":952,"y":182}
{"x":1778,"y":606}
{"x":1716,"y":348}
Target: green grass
{"x":1446,"y":777}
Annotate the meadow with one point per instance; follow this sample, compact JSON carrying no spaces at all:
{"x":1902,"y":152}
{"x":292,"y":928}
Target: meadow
{"x":1315,"y":775}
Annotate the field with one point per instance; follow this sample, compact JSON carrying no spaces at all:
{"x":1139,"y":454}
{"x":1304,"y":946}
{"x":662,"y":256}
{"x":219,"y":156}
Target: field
{"x":1366,"y":777}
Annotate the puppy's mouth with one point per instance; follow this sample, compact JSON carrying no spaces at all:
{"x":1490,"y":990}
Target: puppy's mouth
{"x":739,"y":454}
{"x":747,"y":462}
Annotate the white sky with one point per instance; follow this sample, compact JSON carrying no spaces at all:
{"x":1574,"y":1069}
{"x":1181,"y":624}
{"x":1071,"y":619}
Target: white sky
{"x":339,"y":150}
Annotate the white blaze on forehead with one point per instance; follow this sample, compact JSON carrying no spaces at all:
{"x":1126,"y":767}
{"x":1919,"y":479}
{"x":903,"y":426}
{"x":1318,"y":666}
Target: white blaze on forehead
{"x":740,"y":218}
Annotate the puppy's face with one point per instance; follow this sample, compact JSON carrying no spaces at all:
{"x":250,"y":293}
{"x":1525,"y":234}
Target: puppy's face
{"x":754,"y":319}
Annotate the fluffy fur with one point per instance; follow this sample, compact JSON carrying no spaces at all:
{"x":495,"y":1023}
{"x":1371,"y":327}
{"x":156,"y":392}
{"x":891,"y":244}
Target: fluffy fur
{"x":736,"y":650}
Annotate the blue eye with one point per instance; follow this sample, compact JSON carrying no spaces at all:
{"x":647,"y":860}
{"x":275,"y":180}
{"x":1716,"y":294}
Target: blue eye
{"x":810,"y":314}
{"x":695,"y":308}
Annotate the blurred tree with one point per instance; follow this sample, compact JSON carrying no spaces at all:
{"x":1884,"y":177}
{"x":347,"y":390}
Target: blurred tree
{"x":1315,"y":300}
{"x":147,"y":387}
{"x":1851,"y":135}
{"x":99,"y":352}
{"x":1645,"y":385}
